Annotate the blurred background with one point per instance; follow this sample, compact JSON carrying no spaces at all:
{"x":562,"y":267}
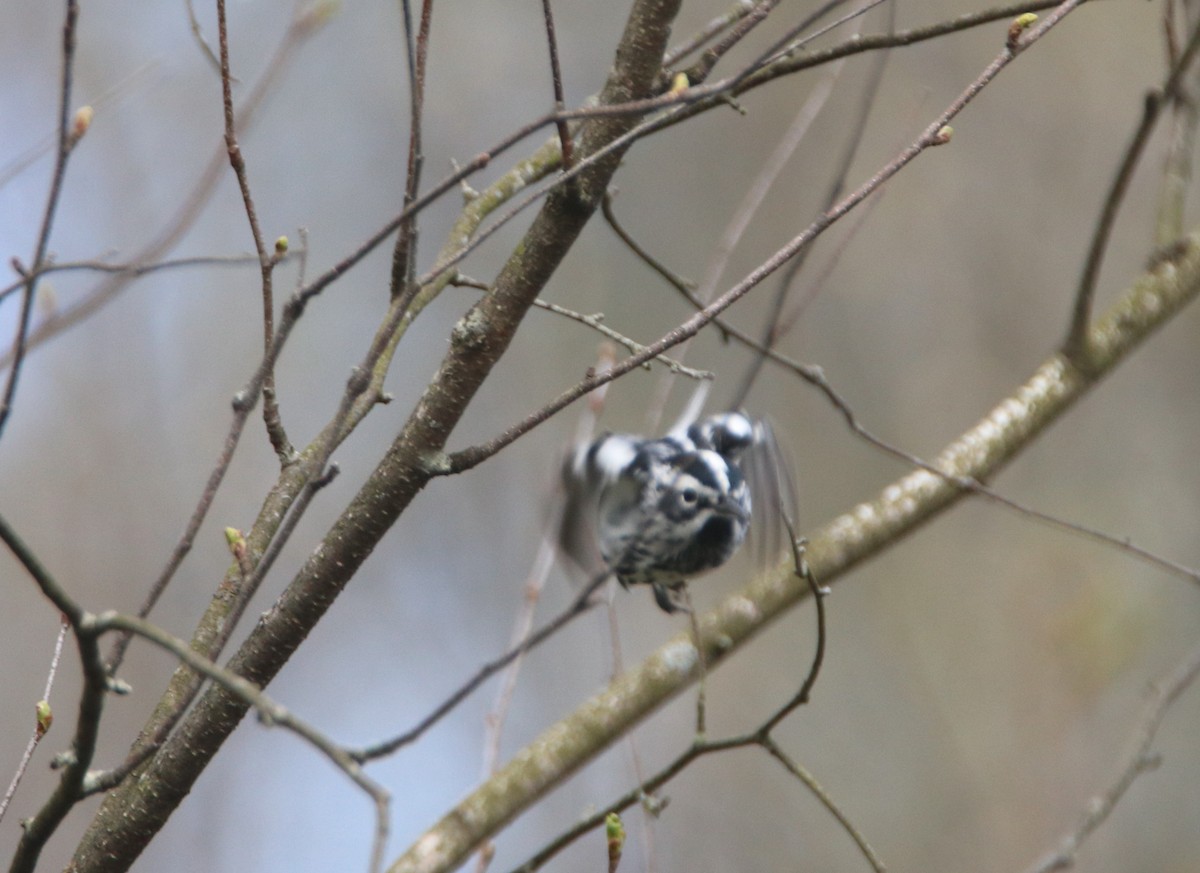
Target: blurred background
{"x":983,"y":677}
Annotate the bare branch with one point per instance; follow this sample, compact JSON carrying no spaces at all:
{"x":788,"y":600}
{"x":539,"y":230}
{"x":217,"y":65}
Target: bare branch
{"x":722,"y":22}
{"x":566,"y":146}
{"x":46,"y":144}
{"x":266,"y":262}
{"x":1075,"y":347}
{"x":405,"y":251}
{"x":206,"y":49}
{"x":1138,"y":761}
{"x":67,"y":139}
{"x":818,"y":791}
{"x":596,"y":323}
{"x":582,"y":603}
{"x":134,"y":270}
{"x":44,"y":715}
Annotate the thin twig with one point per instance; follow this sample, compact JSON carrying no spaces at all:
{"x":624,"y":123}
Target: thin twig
{"x":67,"y":139}
{"x":566,"y":146}
{"x":726,"y":19}
{"x":134,"y":270}
{"x":791,"y":42}
{"x":206,"y":48}
{"x":43,"y":716}
{"x":701,"y":666}
{"x":582,"y":603}
{"x":1075,"y":345}
{"x":793,"y":61}
{"x":826,"y":800}
{"x":1136,"y":762}
{"x":699,"y":71}
{"x":266,"y":262}
{"x":19,"y":163}
{"x":838,"y":249}
{"x":404,"y":253}
{"x":803,"y":571}
{"x":596,"y":323}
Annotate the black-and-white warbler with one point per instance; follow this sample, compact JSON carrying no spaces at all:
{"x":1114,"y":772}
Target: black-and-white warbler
{"x":663,"y":510}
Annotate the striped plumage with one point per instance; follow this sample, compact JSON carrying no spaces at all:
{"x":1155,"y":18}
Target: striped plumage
{"x":662,"y":510}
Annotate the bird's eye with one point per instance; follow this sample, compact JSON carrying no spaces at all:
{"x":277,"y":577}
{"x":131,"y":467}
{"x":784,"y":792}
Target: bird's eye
{"x":689,"y":495}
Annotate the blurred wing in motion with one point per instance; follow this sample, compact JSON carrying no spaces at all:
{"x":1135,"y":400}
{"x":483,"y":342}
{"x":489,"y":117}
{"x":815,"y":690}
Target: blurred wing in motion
{"x":587,"y":470}
{"x":770,"y":473}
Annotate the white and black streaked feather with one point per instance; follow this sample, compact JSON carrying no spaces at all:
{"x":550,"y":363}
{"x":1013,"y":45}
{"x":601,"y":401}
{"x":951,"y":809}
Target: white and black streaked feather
{"x":660,"y":511}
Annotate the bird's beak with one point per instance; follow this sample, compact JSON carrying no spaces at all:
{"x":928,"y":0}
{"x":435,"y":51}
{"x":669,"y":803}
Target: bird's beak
{"x":730,"y":507}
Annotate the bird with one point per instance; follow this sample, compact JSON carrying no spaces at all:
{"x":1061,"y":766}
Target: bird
{"x":660,"y":511}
